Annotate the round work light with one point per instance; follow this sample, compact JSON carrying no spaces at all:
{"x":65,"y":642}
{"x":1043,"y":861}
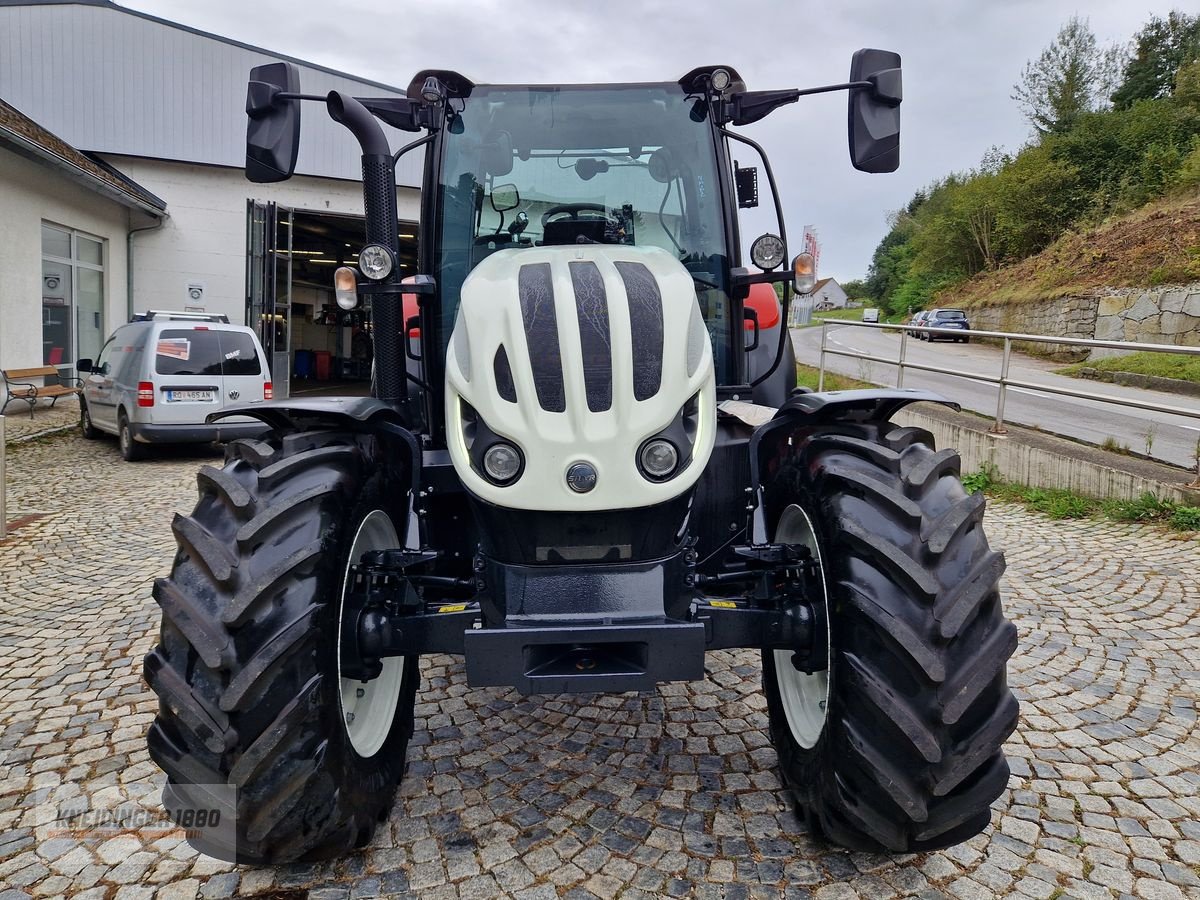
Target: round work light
{"x":767,"y":252}
{"x":376,"y":262}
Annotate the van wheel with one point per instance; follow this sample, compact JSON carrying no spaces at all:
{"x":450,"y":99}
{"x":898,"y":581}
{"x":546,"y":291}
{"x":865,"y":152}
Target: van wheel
{"x":131,"y":450}
{"x":248,"y":669}
{"x":897,"y":744}
{"x":86,"y":428}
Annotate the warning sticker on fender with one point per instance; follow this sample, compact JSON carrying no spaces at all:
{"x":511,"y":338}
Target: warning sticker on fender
{"x":457,"y":607}
{"x":723,"y":604}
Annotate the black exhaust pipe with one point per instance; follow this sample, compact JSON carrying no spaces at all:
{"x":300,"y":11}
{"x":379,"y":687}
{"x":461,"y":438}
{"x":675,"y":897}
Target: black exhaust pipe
{"x":379,"y":204}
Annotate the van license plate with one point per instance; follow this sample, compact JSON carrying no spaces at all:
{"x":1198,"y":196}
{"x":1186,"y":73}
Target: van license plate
{"x":190,"y":396}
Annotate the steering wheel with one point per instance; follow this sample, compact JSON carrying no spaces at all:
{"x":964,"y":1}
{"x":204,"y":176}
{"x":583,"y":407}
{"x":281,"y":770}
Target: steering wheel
{"x":573,"y":210}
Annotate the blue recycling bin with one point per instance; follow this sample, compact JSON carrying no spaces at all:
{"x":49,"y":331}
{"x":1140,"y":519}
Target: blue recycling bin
{"x":304,"y":364}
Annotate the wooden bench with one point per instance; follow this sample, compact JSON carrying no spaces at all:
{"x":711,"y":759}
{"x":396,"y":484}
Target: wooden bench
{"x":19,"y":388}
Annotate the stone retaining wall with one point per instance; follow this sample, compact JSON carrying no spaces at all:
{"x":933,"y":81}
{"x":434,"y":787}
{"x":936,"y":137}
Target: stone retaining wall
{"x":1168,"y":315}
{"x":1067,"y":316}
{"x":1161,"y":315}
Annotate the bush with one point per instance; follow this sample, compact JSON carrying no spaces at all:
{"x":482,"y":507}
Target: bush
{"x":1186,"y":518}
{"x":1146,"y":508}
{"x":1059,"y":504}
{"x":984,"y":479}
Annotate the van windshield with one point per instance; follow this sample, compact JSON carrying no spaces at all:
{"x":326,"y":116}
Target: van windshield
{"x":194,"y":351}
{"x":542,"y":166}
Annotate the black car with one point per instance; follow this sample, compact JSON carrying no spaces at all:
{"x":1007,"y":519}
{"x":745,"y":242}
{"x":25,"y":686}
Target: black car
{"x":947,"y":318}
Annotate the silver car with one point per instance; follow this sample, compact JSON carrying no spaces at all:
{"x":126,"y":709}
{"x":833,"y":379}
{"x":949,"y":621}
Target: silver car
{"x":158,"y":378}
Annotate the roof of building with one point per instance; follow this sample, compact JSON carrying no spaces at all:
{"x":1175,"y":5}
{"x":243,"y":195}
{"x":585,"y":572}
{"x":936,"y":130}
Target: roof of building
{"x":21,"y":134}
{"x":820,"y":284}
{"x":118,"y":82}
{"x":108,"y":4}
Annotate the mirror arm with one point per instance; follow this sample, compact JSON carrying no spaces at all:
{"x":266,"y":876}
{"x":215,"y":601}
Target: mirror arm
{"x":770,"y":181}
{"x":750,"y":106}
{"x":847,"y":86}
{"x":412,"y":145}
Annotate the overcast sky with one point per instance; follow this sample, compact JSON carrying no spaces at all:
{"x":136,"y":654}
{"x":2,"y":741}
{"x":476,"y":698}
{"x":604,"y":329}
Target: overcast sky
{"x":960,"y":58}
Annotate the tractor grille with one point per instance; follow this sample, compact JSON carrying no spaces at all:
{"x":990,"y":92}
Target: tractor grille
{"x":536,"y":290}
{"x":646,"y":319}
{"x":591,"y":306}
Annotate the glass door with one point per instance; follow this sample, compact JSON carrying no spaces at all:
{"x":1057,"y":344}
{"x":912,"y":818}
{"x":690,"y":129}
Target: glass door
{"x":281,"y":251}
{"x":72,"y":297}
{"x":267,"y":303}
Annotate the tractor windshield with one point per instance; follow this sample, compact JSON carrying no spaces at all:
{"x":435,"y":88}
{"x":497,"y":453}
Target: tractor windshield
{"x":539,"y":166}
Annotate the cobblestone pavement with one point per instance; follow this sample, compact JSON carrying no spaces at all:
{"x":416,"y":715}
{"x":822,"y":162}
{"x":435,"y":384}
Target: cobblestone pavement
{"x":18,"y":426}
{"x":671,"y":793}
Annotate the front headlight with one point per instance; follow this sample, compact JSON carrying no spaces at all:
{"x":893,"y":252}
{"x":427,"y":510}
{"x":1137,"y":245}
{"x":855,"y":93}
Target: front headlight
{"x":502,"y":462}
{"x":659,"y":459}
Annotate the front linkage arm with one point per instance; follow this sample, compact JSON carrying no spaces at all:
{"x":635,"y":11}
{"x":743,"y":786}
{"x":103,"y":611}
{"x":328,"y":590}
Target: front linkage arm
{"x":395,"y":607}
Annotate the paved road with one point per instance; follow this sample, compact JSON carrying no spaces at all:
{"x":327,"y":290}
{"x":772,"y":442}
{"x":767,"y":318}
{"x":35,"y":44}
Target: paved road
{"x":1174,"y":437}
{"x":673,"y":792}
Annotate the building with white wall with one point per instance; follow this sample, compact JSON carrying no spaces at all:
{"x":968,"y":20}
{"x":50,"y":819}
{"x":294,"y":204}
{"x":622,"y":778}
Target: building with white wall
{"x":64,"y":229}
{"x":828,"y":294}
{"x":165,"y":105}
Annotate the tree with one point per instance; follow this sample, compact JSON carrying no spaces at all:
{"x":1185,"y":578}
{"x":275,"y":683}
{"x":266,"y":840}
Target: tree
{"x":1160,"y":50}
{"x":1071,"y":77}
{"x":856,"y":289}
{"x":1187,"y":86}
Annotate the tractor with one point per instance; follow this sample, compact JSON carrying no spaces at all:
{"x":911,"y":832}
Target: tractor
{"x":591,"y":466}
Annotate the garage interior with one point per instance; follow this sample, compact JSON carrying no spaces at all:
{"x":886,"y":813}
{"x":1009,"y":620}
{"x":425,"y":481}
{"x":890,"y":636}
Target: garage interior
{"x":330,"y":348}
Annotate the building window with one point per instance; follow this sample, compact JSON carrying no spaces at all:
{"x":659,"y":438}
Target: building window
{"x":72,"y":295}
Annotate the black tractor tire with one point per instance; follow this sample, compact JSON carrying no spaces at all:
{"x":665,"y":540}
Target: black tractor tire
{"x":909,"y":757}
{"x":247,"y":668}
{"x":86,"y":428}
{"x":131,"y":450}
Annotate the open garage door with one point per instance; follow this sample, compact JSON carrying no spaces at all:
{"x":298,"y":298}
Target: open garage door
{"x":269,"y":285}
{"x":314,"y":346}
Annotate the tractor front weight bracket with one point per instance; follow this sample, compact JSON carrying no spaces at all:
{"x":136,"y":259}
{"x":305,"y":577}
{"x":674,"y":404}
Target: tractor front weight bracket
{"x":762,"y":599}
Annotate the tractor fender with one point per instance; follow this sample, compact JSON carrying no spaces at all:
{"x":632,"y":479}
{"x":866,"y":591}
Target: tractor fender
{"x":358,"y":414}
{"x":829,"y":408}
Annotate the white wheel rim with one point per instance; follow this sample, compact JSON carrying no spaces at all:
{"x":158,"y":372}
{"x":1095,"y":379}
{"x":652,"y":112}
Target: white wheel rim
{"x":805,"y":698}
{"x":369,"y":708}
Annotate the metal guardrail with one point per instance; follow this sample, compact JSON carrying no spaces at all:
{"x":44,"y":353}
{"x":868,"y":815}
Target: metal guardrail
{"x":1003,"y":380}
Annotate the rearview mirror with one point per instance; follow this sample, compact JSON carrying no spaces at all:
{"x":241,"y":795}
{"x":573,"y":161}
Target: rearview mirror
{"x":273,"y":125}
{"x":84,"y":365}
{"x":498,"y":155}
{"x":505,"y":197}
{"x":874,"y":124}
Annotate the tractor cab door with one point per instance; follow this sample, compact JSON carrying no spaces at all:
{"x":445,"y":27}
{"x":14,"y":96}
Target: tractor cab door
{"x":269,"y":285}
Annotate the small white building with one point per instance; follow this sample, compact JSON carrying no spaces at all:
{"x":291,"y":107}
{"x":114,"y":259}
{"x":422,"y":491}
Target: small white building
{"x":828,"y":294}
{"x":164,"y":106}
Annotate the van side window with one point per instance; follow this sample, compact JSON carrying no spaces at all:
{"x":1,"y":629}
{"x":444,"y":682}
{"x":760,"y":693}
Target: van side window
{"x":103,"y":364}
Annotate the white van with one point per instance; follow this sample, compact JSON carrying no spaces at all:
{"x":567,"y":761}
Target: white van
{"x":870,"y":314}
{"x":158,"y":378}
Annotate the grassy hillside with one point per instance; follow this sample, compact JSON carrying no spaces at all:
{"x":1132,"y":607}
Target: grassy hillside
{"x":1157,"y":244}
